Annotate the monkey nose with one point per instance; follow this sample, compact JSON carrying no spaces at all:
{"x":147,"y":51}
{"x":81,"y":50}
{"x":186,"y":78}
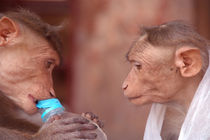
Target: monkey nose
{"x":124,"y":86}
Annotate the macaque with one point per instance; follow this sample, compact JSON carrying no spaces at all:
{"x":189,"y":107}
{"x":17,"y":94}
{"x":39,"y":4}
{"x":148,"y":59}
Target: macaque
{"x":29,"y":51}
{"x":168,"y":63}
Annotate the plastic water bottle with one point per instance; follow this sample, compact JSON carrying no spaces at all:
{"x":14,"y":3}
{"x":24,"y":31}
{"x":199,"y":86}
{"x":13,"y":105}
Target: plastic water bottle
{"x":49,"y":108}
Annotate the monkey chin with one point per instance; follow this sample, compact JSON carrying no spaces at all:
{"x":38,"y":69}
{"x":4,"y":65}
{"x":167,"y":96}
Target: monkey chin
{"x":27,"y":104}
{"x":29,"y":107}
{"x":30,"y":111}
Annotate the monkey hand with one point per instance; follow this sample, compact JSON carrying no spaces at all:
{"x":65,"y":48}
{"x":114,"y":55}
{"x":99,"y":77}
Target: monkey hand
{"x":67,"y":126}
{"x":91,"y":116}
{"x":95,"y":120}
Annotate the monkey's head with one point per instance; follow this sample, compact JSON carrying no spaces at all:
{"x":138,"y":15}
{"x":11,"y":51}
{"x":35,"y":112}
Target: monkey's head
{"x":27,"y":59}
{"x":165,"y":60}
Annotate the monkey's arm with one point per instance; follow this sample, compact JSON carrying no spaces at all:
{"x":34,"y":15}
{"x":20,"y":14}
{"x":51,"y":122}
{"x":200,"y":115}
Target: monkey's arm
{"x":9,"y":134}
{"x":67,"y":127}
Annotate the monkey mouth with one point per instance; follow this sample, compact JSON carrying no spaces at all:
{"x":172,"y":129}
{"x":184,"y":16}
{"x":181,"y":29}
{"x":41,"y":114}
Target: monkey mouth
{"x":33,"y":99}
{"x":136,"y":97}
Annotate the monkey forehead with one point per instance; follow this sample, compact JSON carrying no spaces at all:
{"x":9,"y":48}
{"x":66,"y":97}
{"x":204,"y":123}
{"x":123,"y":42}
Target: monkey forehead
{"x":37,"y":45}
{"x":40,"y":51}
{"x":32,"y":39}
{"x":150,"y":54}
{"x":137,"y":47}
{"x":46,"y":51}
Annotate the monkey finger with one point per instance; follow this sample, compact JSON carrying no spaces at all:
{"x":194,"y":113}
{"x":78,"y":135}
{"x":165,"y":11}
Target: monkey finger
{"x":73,"y":128}
{"x":94,"y":118}
{"x":68,"y":114}
{"x":83,"y":127}
{"x":73,"y":120}
{"x":76,"y":136}
{"x":55,"y":117}
{"x":90,"y":115}
{"x":99,"y":123}
{"x":84,"y":135}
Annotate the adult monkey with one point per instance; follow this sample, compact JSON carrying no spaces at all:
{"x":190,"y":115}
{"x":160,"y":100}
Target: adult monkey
{"x":28,"y":54}
{"x":169,"y":62}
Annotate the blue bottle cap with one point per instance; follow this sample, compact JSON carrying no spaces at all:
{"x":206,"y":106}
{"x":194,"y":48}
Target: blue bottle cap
{"x":48,"y":105}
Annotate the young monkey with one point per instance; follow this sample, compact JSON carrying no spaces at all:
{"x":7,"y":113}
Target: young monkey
{"x":29,"y":51}
{"x":168,"y":63}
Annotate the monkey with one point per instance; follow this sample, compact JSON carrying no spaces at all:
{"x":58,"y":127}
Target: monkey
{"x":29,"y":51}
{"x":168,"y":62}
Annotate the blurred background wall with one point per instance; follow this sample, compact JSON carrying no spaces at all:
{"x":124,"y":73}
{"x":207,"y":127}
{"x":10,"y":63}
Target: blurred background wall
{"x":96,"y":38}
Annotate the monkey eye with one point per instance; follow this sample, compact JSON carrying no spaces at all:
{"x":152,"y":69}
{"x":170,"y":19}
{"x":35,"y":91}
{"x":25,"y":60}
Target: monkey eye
{"x":137,"y":65}
{"x":49,"y":63}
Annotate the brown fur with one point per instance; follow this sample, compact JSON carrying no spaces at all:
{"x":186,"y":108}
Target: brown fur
{"x":9,"y":114}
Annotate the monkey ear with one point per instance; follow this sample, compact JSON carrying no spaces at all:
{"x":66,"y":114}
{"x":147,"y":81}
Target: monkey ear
{"x":189,"y":61}
{"x":8,"y":30}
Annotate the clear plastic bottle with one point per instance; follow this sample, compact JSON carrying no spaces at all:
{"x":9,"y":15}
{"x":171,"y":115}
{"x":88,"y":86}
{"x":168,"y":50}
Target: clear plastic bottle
{"x":49,"y":108}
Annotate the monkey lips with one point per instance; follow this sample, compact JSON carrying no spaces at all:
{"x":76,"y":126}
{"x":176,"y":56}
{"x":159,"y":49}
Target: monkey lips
{"x":133,"y":98}
{"x":34,"y":101}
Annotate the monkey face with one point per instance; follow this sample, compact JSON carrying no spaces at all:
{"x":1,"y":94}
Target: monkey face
{"x":26,"y":70}
{"x":153,"y":76}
